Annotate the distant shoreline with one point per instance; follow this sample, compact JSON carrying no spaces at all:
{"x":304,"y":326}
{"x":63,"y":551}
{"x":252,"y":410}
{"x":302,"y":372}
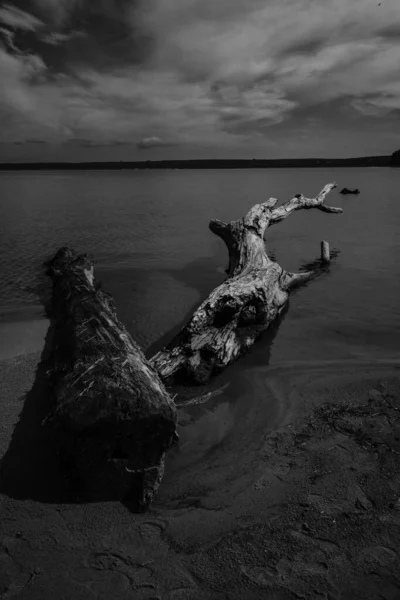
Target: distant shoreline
{"x":368,"y":161}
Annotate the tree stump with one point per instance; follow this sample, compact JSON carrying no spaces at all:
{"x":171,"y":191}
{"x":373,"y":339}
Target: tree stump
{"x":113,"y":419}
{"x":325,"y":252}
{"x":229,"y":321}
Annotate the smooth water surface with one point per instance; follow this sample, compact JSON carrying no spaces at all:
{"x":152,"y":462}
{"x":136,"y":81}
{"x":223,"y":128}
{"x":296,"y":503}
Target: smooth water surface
{"x":148,"y":231}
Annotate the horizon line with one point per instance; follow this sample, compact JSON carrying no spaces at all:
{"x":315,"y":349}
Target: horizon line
{"x":186,"y":160}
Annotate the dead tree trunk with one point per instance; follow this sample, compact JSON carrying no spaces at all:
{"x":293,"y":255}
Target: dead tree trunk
{"x":113,"y":419}
{"x":240,"y":309}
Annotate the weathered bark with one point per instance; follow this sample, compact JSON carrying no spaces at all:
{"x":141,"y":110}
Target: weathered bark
{"x":240,"y":309}
{"x":113,"y":419}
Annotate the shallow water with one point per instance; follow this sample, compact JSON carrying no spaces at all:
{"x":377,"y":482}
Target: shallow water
{"x":154,"y":253}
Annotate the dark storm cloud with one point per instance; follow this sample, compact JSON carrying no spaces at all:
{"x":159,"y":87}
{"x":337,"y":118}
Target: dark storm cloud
{"x":108,"y":36}
{"x":101,"y":34}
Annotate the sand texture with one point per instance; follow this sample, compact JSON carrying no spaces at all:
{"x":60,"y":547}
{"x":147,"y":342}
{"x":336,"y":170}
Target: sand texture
{"x":292,"y":491}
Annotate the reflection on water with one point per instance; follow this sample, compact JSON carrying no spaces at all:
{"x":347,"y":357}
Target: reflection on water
{"x":207,"y":430}
{"x":201,"y":430}
{"x":221,"y":440}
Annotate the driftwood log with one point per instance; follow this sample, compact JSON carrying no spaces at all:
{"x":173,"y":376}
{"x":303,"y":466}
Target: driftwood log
{"x":113,"y":419}
{"x":228,"y":322}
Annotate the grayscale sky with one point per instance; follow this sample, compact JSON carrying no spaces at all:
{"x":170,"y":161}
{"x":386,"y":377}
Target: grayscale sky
{"x":154,"y":79}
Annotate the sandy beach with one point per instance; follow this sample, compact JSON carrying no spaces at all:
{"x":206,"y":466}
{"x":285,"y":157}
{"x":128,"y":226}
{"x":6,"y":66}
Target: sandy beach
{"x":294,"y":493}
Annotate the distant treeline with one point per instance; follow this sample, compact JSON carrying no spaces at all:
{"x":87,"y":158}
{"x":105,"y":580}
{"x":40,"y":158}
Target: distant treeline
{"x":368,"y":161}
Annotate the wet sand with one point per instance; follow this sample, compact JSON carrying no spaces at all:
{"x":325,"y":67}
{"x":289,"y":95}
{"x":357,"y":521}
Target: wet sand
{"x":22,"y":337}
{"x":286,"y":485}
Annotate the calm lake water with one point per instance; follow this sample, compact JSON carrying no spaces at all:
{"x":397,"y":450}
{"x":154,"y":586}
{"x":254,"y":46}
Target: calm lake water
{"x":154,"y":252}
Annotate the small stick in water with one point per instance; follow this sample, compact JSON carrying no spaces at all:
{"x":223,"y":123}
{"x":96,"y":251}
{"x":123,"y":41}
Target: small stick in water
{"x":325,"y":253}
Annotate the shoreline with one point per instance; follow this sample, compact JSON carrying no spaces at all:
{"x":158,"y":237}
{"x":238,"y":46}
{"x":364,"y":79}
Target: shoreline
{"x":290,"y":490}
{"x":22,"y":336}
{"x":255,"y":163}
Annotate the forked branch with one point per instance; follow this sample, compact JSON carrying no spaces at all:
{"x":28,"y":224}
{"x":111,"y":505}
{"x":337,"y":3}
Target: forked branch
{"x":301,"y":202}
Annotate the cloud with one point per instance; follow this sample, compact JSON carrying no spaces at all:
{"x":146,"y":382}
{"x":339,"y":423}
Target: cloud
{"x":30,"y":142}
{"x":101,"y":34}
{"x":391,"y":31}
{"x":55,"y":11}
{"x":255,"y":106}
{"x":97,"y":143}
{"x":153,"y":142}
{"x":56,"y":39}
{"x":15,"y":18}
{"x":377,"y":105}
{"x":193,"y":72}
{"x":7,"y":37}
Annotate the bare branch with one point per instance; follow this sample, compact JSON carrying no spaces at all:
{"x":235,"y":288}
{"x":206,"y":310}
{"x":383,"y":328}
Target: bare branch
{"x":301,"y":202}
{"x":292,"y":280}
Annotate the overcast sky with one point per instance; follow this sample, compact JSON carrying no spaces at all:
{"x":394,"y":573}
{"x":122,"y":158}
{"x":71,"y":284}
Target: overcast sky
{"x":152,"y":79}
